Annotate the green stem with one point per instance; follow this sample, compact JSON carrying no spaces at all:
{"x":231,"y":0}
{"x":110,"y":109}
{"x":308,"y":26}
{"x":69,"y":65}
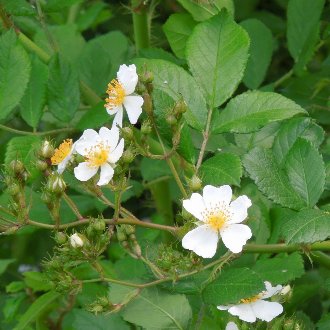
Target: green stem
{"x":52,"y":132}
{"x":321,"y":258}
{"x":140,"y":25}
{"x":72,"y":206}
{"x":73,"y":13}
{"x":282,"y":79}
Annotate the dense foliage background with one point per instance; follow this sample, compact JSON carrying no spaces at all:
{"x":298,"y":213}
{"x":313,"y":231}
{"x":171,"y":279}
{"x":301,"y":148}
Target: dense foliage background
{"x":271,"y":144}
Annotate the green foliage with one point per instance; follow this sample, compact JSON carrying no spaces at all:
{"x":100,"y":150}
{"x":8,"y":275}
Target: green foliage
{"x":4,"y":263}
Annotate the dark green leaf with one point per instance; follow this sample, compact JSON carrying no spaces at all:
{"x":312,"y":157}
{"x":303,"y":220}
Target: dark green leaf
{"x":58,"y":5}
{"x":87,"y":18}
{"x":18,"y":7}
{"x":37,"y":281}
{"x":152,"y":169}
{"x":4,"y":263}
{"x":94,"y":117}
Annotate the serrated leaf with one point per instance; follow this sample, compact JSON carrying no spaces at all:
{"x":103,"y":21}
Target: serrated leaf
{"x":177,"y":29}
{"x":306,"y":171}
{"x":217,"y":52}
{"x":251,"y":110}
{"x":14,"y":72}
{"x":152,"y":169}
{"x":270,"y":179}
{"x":233,"y":285}
{"x":178,"y":83}
{"x":303,"y":29}
{"x":281,"y":269}
{"x":63,"y":89}
{"x":18,"y":7}
{"x":223,"y":168}
{"x":4,"y":263}
{"x":33,"y":101}
{"x":261,"y":50}
{"x":307,"y":226}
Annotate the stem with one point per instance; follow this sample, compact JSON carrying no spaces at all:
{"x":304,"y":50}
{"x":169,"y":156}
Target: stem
{"x":52,"y":132}
{"x":117,"y":205}
{"x":321,"y":258}
{"x":140,"y":25}
{"x":73,"y":13}
{"x":286,"y":76}
{"x":72,"y":206}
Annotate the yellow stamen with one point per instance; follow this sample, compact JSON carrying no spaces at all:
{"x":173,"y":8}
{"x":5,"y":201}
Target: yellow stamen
{"x":116,"y":94}
{"x":61,"y":152}
{"x":97,"y":155}
{"x":217,"y":220}
{"x":251,"y":299}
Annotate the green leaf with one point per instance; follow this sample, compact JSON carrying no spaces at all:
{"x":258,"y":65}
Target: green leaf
{"x":110,"y":50}
{"x":63,"y":89}
{"x":324,"y":322}
{"x":178,"y":83}
{"x":303,"y":29}
{"x":270,"y":179}
{"x":36,"y":309}
{"x":152,"y":169}
{"x":58,"y":5}
{"x":202,"y":10}
{"x":217,"y":53}
{"x":291,"y":130}
{"x":18,"y":7}
{"x":33,"y":101}
{"x":177,"y":29}
{"x":37,"y":281}
{"x":307,"y":226}
{"x":232,"y":285}
{"x":223,"y":168}
{"x":261,"y":51}
{"x":4,"y":263}
{"x":251,"y":110}
{"x":89,"y":16}
{"x":156,"y":309}
{"x":94,"y":117}
{"x":281,"y":269}
{"x":14,"y":72}
{"x":306,"y":171}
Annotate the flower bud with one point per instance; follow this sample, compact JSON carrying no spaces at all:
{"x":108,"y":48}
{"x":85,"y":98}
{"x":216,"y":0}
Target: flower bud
{"x":195,"y":183}
{"x":140,"y":88}
{"x":147,"y":77}
{"x":99,"y":225}
{"x":146,"y":128}
{"x":121,"y":235}
{"x":128,"y":156}
{"x":171,"y":120}
{"x":60,"y":238}
{"x":41,"y":165}
{"x":127,"y":133}
{"x":13,"y":189}
{"x":76,"y":241}
{"x":56,"y":184}
{"x":46,"y":150}
{"x":147,"y":104}
{"x":289,"y":324}
{"x":180,"y":107}
{"x":17,"y":167}
{"x":129,"y":229}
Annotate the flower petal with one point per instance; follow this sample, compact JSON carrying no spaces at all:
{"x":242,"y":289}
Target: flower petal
{"x":244,"y":312}
{"x":106,"y":174}
{"x":127,"y":77}
{"x":203,"y":240}
{"x":239,"y":209}
{"x":231,"y":326}
{"x":112,"y":111}
{"x":195,"y":206}
{"x":213,"y":195}
{"x":110,"y":137}
{"x":86,"y":141}
{"x":117,"y":153}
{"x":83,"y":172}
{"x":223,"y":308}
{"x":266,"y":310}
{"x":133,"y":105}
{"x":62,"y":165}
{"x":271,"y":290}
{"x":118,"y":120}
{"x":235,"y":236}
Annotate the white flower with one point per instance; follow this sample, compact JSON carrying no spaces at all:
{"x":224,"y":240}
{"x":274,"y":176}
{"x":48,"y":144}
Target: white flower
{"x":219,"y":217}
{"x":76,"y":241}
{"x":251,"y":309}
{"x":119,"y":94}
{"x":63,"y":155}
{"x":101,"y":150}
{"x":231,"y":326}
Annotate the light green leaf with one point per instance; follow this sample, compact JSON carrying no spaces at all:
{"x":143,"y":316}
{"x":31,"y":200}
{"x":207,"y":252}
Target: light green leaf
{"x":270,"y":179}
{"x":89,"y":16}
{"x":217,"y":52}
{"x":4,"y":263}
{"x":306,"y":171}
{"x":14,"y":72}
{"x":202,"y":10}
{"x":303,"y":29}
{"x":307,"y":226}
{"x":252,"y":110}
{"x":223,"y":168}
{"x":281,"y":269}
{"x":178,"y":83}
{"x":36,"y":309}
{"x":324,"y":322}
{"x":18,"y":7}
{"x":37,"y":281}
{"x":34,"y":98}
{"x":233,"y":285}
{"x":57,"y":5}
{"x":261,"y":51}
{"x":177,"y":29}
{"x":63,"y":89}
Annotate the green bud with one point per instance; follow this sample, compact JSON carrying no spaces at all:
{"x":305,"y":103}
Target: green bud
{"x":195,"y":183}
{"x":147,"y":77}
{"x":146,"y":128}
{"x":128,"y":156}
{"x":140,"y":88}
{"x":99,"y":225}
{"x":127,"y":133}
{"x":17,"y":167}
{"x":147,"y":104}
{"x":41,"y":165}
{"x":56,"y":184}
{"x":46,"y":150}
{"x":60,"y":238}
{"x":104,"y":301}
{"x":180,"y":107}
{"x":13,"y":189}
{"x":129,"y":229}
{"x":171,"y":120}
{"x":289,"y":324}
{"x":121,"y":235}
{"x":46,"y":197}
{"x":96,"y":309}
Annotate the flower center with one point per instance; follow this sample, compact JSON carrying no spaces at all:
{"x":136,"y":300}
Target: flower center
{"x":98,"y":155}
{"x":251,"y":299}
{"x":116,"y":94}
{"x":61,"y":152}
{"x":217,"y":220}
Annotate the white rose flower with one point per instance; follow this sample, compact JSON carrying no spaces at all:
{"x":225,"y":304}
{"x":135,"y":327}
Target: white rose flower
{"x":101,"y":150}
{"x":231,"y":326}
{"x":251,"y":309}
{"x":219,"y":218}
{"x":76,"y":241}
{"x":120,"y":92}
{"x":63,"y":155}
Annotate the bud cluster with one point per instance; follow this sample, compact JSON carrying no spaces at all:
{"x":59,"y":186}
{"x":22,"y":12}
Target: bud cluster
{"x":103,"y":305}
{"x":126,"y":237}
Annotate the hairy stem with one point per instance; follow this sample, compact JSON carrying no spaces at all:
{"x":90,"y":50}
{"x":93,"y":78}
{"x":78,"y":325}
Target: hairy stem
{"x":140,"y":25}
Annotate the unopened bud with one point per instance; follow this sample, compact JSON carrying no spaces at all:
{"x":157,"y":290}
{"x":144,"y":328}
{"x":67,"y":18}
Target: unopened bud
{"x":140,"y":88}
{"x":128,"y":156}
{"x":195,"y":183}
{"x":129,"y":229}
{"x":171,"y":120}
{"x":180,"y":107}
{"x":289,"y":324}
{"x":146,"y":128}
{"x":60,"y":238}
{"x":147,"y":77}
{"x":121,"y":235}
{"x":56,"y":184}
{"x":147,"y":104}
{"x":127,"y":133}
{"x":17,"y":167}
{"x":41,"y":165}
{"x":46,"y":150}
{"x":76,"y":240}
{"x":13,"y":189}
{"x":99,"y":225}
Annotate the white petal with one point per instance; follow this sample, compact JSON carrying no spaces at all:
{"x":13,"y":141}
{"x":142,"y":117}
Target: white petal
{"x":117,"y":153}
{"x":266,"y":310}
{"x":213,"y":195}
{"x":239,"y":209}
{"x":127,"y":77}
{"x":195,"y":206}
{"x":106,"y":174}
{"x":114,"y":110}
{"x":203,"y":240}
{"x":110,"y":137}
{"x":118,"y":120}
{"x":235,"y":236}
{"x":223,"y":308}
{"x":133,"y":105}
{"x":244,"y":312}
{"x":62,"y":165}
{"x":83,"y":172}
{"x":231,"y":326}
{"x":87,"y":140}
{"x":270,"y":290}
